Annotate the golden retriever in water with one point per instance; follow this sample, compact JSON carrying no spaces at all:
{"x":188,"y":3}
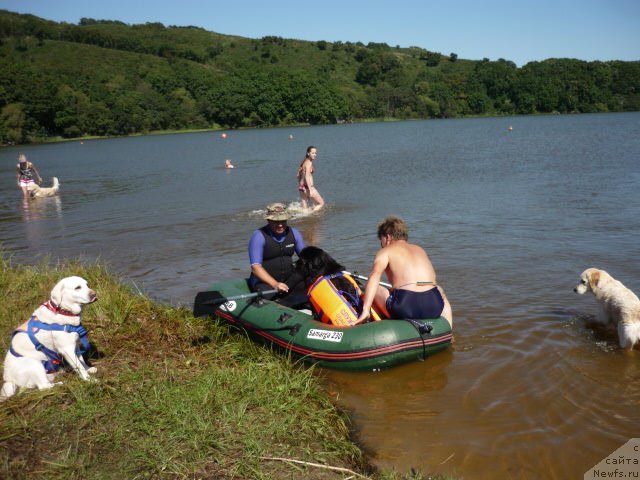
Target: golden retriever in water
{"x":619,"y":306}
{"x":51,"y":335}
{"x":37,"y":191}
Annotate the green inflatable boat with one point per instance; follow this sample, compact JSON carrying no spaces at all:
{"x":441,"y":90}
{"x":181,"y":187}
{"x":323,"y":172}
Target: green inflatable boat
{"x":369,"y":346}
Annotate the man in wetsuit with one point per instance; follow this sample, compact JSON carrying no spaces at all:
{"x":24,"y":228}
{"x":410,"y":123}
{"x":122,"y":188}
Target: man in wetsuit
{"x":271,"y":250}
{"x":415,"y":294}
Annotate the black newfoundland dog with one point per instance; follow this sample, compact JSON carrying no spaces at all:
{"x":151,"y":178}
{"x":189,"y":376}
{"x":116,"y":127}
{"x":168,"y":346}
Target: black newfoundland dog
{"x":314,"y":262}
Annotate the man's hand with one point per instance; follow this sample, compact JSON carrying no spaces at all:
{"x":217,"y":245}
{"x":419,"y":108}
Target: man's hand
{"x":282,"y":287}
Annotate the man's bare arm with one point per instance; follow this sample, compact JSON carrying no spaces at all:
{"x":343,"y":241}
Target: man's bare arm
{"x":379,"y":265}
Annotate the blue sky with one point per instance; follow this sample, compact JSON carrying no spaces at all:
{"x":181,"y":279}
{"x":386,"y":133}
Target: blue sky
{"x":516,"y":30}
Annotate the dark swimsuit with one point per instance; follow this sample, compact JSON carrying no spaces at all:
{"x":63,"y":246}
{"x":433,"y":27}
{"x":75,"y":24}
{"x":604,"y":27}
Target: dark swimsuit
{"x":26,"y":174}
{"x":415,"y":305}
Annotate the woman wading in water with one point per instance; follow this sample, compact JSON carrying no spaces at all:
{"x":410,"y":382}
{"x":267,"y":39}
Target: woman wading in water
{"x":308,"y":192}
{"x":26,"y":174}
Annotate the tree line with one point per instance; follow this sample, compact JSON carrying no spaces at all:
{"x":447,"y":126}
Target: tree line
{"x":103,"y":77}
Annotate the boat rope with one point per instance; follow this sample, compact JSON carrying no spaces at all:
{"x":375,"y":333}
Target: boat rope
{"x":422,"y":330}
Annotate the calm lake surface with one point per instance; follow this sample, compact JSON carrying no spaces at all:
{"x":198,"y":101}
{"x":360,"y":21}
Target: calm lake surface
{"x":509,"y":218}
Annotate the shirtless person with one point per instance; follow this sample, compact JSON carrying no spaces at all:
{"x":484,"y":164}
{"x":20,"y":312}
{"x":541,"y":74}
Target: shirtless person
{"x":415,"y":294}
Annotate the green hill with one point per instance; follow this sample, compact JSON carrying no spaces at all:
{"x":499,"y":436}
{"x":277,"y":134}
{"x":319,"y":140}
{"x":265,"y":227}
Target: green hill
{"x":109,"y":78}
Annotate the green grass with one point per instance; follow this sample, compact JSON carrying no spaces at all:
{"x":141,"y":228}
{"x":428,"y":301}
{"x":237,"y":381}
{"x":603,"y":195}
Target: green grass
{"x":177,"y":397}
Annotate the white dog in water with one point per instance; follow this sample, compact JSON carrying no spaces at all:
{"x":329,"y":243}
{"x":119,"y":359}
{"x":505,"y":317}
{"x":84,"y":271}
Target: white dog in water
{"x":51,"y":334}
{"x":37,"y":191}
{"x":619,"y":306}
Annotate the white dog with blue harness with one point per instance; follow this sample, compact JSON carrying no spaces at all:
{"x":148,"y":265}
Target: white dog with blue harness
{"x":51,"y":335}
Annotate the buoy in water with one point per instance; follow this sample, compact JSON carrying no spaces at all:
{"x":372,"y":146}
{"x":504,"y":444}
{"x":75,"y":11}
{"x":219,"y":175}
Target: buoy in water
{"x":223,"y":135}
{"x":510,"y":128}
{"x":290,"y":137}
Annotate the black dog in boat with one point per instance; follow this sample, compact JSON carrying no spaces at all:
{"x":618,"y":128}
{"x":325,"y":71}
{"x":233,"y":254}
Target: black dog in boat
{"x":313,"y":262}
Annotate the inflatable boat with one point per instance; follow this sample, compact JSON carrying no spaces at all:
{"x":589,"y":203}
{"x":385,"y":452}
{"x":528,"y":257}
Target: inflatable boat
{"x":369,"y":346}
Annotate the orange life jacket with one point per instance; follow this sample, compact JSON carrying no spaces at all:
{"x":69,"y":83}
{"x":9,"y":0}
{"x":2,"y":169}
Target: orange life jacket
{"x":337,"y":299}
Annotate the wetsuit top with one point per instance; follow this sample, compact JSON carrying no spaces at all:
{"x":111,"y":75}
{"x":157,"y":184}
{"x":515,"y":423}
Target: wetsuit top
{"x":26,"y":173}
{"x":415,"y":305}
{"x":274,"y":252}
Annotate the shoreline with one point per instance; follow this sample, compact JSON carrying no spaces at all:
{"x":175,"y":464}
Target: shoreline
{"x":175,"y":395}
{"x":58,"y":139}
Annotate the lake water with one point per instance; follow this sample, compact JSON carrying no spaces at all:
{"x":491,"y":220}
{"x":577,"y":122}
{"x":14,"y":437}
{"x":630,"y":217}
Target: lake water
{"x":509,"y":219}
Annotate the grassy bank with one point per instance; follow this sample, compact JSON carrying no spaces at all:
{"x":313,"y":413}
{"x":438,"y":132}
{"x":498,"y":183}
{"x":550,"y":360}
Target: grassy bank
{"x":177,"y":397}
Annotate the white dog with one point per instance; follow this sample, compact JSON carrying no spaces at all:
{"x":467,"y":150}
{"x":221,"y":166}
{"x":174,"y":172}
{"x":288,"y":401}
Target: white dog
{"x":619,"y":306}
{"x":37,"y":191}
{"x":51,"y":334}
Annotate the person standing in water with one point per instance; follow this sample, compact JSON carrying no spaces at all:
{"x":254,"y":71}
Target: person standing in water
{"x":26,"y":174}
{"x":308,"y":192}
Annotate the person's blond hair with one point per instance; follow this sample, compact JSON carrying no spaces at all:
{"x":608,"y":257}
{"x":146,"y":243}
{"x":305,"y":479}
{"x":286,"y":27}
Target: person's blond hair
{"x":394,"y":227}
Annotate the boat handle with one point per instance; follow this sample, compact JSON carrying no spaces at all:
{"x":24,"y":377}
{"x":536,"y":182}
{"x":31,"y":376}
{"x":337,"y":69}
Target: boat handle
{"x":295,"y":329}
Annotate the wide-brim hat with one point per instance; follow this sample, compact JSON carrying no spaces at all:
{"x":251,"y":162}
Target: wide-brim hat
{"x":277,"y":212}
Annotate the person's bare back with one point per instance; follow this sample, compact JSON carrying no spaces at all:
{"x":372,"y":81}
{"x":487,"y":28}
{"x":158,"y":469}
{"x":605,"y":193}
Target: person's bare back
{"x":409,"y":267}
{"x":411,"y":274}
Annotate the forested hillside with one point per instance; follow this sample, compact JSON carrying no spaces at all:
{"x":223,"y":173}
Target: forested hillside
{"x":105,"y":77}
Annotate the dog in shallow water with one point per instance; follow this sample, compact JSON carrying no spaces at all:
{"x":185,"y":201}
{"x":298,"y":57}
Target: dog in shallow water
{"x":619,"y":306}
{"x":50,"y":336}
{"x":37,"y":191}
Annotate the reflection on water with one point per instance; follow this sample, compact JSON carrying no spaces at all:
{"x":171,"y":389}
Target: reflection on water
{"x":501,"y":408}
{"x":529,"y":390}
{"x":390,"y":405}
{"x":39,"y":208}
{"x":38,"y":215}
{"x":311,"y":230}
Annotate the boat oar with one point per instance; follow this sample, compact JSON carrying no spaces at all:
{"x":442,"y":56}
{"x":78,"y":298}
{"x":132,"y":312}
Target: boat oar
{"x":362,"y":277}
{"x":205,"y":301}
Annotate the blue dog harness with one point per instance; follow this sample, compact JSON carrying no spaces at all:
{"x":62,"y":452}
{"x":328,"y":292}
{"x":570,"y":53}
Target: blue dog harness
{"x":54,"y":360}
